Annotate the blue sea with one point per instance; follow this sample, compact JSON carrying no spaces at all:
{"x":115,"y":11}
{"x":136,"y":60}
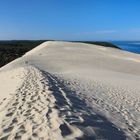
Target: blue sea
{"x":131,"y":46}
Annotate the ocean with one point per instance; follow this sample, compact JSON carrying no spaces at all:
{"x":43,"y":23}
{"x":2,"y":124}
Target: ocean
{"x":131,"y":46}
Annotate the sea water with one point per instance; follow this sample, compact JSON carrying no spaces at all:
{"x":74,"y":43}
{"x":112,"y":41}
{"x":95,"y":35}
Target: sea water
{"x":131,"y":46}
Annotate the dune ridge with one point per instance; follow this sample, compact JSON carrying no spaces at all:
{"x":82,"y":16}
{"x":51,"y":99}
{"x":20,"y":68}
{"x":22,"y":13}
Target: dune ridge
{"x":64,"y":90}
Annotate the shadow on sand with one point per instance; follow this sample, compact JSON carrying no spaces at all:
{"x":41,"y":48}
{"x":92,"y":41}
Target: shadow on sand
{"x":76,"y":113}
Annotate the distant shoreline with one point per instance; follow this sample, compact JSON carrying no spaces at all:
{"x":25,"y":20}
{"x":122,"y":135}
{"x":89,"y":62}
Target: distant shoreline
{"x":130,"y":46}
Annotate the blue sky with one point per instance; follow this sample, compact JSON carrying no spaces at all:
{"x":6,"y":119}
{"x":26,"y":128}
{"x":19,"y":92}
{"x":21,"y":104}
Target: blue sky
{"x":70,"y":19}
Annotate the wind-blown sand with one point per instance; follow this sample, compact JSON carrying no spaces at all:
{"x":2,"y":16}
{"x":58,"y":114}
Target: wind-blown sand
{"x":63,"y":90}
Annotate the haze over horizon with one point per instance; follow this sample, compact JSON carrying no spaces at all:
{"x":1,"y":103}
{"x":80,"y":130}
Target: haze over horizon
{"x":70,"y":20}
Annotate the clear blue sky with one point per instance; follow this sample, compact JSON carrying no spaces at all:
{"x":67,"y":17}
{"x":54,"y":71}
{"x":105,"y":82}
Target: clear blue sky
{"x":70,"y":19}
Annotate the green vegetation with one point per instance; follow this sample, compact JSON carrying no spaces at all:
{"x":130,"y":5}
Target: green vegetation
{"x":10,"y":50}
{"x":101,"y":43}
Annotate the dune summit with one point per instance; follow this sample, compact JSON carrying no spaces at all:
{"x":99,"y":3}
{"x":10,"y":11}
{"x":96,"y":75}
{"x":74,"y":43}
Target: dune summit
{"x":67,"y":91}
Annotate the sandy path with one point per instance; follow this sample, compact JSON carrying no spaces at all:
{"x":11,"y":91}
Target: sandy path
{"x":26,"y":111}
{"x":43,"y":108}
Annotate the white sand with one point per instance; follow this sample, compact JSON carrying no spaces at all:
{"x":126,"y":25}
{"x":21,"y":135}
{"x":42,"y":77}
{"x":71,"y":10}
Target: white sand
{"x":63,"y":90}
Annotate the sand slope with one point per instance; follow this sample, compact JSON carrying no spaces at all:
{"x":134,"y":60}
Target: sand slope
{"x":63,"y":90}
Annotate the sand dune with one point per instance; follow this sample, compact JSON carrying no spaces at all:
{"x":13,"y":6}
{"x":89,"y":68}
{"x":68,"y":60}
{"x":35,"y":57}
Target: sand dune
{"x":63,"y":90}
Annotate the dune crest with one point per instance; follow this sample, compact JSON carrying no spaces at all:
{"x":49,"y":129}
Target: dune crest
{"x":63,"y":90}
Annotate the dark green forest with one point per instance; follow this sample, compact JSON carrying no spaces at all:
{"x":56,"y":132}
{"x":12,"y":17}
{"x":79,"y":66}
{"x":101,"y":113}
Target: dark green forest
{"x":10,"y":50}
{"x":101,"y":43}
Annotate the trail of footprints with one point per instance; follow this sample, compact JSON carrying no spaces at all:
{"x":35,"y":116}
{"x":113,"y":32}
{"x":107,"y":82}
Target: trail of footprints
{"x":39,"y":110}
{"x":29,"y":113}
